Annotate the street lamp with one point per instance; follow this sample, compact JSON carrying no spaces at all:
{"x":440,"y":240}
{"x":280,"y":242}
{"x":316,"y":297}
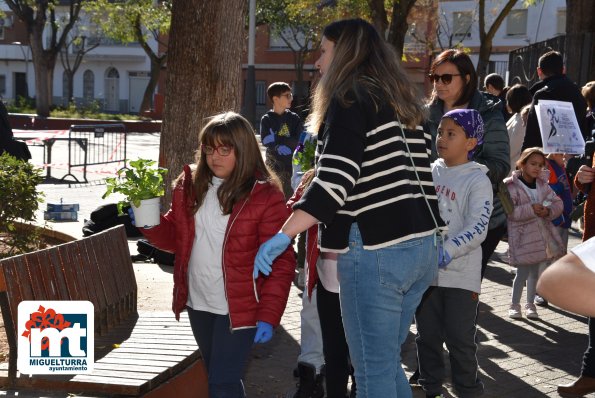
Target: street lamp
{"x":26,"y":58}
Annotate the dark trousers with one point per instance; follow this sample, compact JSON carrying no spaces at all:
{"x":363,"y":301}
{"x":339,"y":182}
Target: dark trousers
{"x":588,"y":368}
{"x":225,"y":353}
{"x":489,"y":245}
{"x":334,"y":344}
{"x":447,"y":315}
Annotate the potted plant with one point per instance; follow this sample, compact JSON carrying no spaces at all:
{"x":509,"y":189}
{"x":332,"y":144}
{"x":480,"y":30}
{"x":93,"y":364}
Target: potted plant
{"x":142,"y":185}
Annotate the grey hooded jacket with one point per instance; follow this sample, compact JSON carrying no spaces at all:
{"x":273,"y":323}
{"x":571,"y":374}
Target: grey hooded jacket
{"x":495,"y":150}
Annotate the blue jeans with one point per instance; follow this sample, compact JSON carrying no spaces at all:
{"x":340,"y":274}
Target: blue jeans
{"x":225,"y":353}
{"x":380,"y":290}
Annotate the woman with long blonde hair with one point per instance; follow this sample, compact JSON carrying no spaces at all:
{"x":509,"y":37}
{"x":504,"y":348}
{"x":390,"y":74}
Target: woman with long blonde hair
{"x":372,"y":197}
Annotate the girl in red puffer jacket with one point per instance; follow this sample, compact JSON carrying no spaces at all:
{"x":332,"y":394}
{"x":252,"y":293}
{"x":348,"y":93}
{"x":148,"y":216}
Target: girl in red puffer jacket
{"x":223,"y":208}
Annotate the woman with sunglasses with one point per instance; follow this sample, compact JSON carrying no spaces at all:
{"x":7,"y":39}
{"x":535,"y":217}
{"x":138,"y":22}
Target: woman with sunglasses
{"x":223,"y":208}
{"x":455,"y":87}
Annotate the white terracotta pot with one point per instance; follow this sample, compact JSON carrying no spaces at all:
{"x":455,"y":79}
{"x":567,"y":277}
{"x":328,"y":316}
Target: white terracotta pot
{"x":147,"y":214}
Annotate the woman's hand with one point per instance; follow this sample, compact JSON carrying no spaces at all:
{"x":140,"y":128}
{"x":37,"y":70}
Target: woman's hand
{"x":268,"y":252}
{"x":585,"y":174}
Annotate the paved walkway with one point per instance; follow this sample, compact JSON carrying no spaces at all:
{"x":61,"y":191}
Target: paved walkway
{"x":518,"y":359}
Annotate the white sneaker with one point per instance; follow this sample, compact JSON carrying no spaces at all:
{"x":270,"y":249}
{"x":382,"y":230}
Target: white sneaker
{"x":540,"y":301}
{"x":514,"y":312}
{"x":531,"y":311}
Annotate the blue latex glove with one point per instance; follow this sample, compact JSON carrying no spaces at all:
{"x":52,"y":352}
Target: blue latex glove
{"x":268,"y":252}
{"x":269,"y":139}
{"x":264,"y":332}
{"x":283,"y":150}
{"x":443,"y":257}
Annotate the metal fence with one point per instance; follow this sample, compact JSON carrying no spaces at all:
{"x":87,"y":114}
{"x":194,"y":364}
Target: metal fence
{"x":95,"y":144}
{"x":522,"y":62}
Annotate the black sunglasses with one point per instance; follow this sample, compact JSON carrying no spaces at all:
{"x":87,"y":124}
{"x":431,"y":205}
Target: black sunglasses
{"x":446,"y":78}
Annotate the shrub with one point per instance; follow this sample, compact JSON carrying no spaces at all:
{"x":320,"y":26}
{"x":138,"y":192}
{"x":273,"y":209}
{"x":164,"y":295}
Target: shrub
{"x":18,"y":202}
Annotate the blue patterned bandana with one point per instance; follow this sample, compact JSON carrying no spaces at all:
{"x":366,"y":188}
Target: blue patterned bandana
{"x":471,"y":122}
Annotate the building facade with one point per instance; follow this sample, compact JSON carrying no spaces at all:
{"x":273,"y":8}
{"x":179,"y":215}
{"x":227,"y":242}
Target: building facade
{"x":458,"y":25}
{"x":112,"y":76}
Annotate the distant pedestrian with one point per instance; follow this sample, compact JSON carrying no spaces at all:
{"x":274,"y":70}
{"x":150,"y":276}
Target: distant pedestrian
{"x":448,"y":311}
{"x":517,"y":99}
{"x":280,"y":131}
{"x":8,"y":144}
{"x":223,"y":208}
{"x":372,"y":197}
{"x":553,"y":85}
{"x":532,"y":239}
{"x":494,"y":84}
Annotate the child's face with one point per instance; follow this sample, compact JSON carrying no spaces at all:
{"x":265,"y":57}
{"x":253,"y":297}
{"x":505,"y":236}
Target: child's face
{"x":533,"y":166}
{"x":452,"y":143}
{"x":221,"y":165}
{"x":559,"y":158}
{"x":283,"y":101}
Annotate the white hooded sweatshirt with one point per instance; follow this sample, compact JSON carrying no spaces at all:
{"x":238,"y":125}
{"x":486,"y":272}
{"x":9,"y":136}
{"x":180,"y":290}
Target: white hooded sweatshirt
{"x":465,"y":202}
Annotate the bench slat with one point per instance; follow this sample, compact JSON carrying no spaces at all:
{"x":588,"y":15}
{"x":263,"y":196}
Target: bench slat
{"x":55,"y":262}
{"x":36,"y":275}
{"x":49,"y":277}
{"x":131,"y":367}
{"x":95,"y":276}
{"x":73,"y":285}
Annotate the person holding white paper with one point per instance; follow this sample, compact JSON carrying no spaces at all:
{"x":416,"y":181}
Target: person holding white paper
{"x":553,"y":85}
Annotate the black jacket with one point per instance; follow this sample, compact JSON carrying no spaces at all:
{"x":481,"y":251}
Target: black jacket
{"x":557,"y":88}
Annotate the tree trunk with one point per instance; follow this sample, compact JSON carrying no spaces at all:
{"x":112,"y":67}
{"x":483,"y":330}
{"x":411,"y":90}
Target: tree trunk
{"x":379,"y":18}
{"x":484,"y":60}
{"x":42,"y":66}
{"x":204,"y":75}
{"x":153,"y":80}
{"x":34,"y":14}
{"x":486,"y":38}
{"x":398,"y":26}
{"x":580,"y":41}
{"x":70,"y":78}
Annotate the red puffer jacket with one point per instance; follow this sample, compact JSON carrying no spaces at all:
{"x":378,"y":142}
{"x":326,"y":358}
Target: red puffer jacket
{"x":252,"y":222}
{"x":312,"y":251}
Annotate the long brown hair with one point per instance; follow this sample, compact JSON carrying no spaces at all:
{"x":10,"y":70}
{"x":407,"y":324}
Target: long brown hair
{"x":230,"y":129}
{"x":362,"y":59}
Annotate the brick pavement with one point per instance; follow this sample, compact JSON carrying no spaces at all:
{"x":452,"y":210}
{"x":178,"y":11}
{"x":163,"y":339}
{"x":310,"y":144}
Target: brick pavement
{"x":518,"y":358}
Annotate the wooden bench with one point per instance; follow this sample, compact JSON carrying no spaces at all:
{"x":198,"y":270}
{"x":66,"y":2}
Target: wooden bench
{"x":134,"y":352}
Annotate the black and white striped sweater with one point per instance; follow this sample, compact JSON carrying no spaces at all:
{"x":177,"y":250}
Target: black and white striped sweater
{"x":364,"y":175}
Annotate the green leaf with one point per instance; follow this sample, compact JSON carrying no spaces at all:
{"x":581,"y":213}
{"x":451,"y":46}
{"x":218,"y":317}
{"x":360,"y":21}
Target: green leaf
{"x":140,"y":181}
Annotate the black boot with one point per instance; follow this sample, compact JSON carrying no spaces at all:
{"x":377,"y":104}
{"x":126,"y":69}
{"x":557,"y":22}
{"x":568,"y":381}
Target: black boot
{"x":310,"y":384}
